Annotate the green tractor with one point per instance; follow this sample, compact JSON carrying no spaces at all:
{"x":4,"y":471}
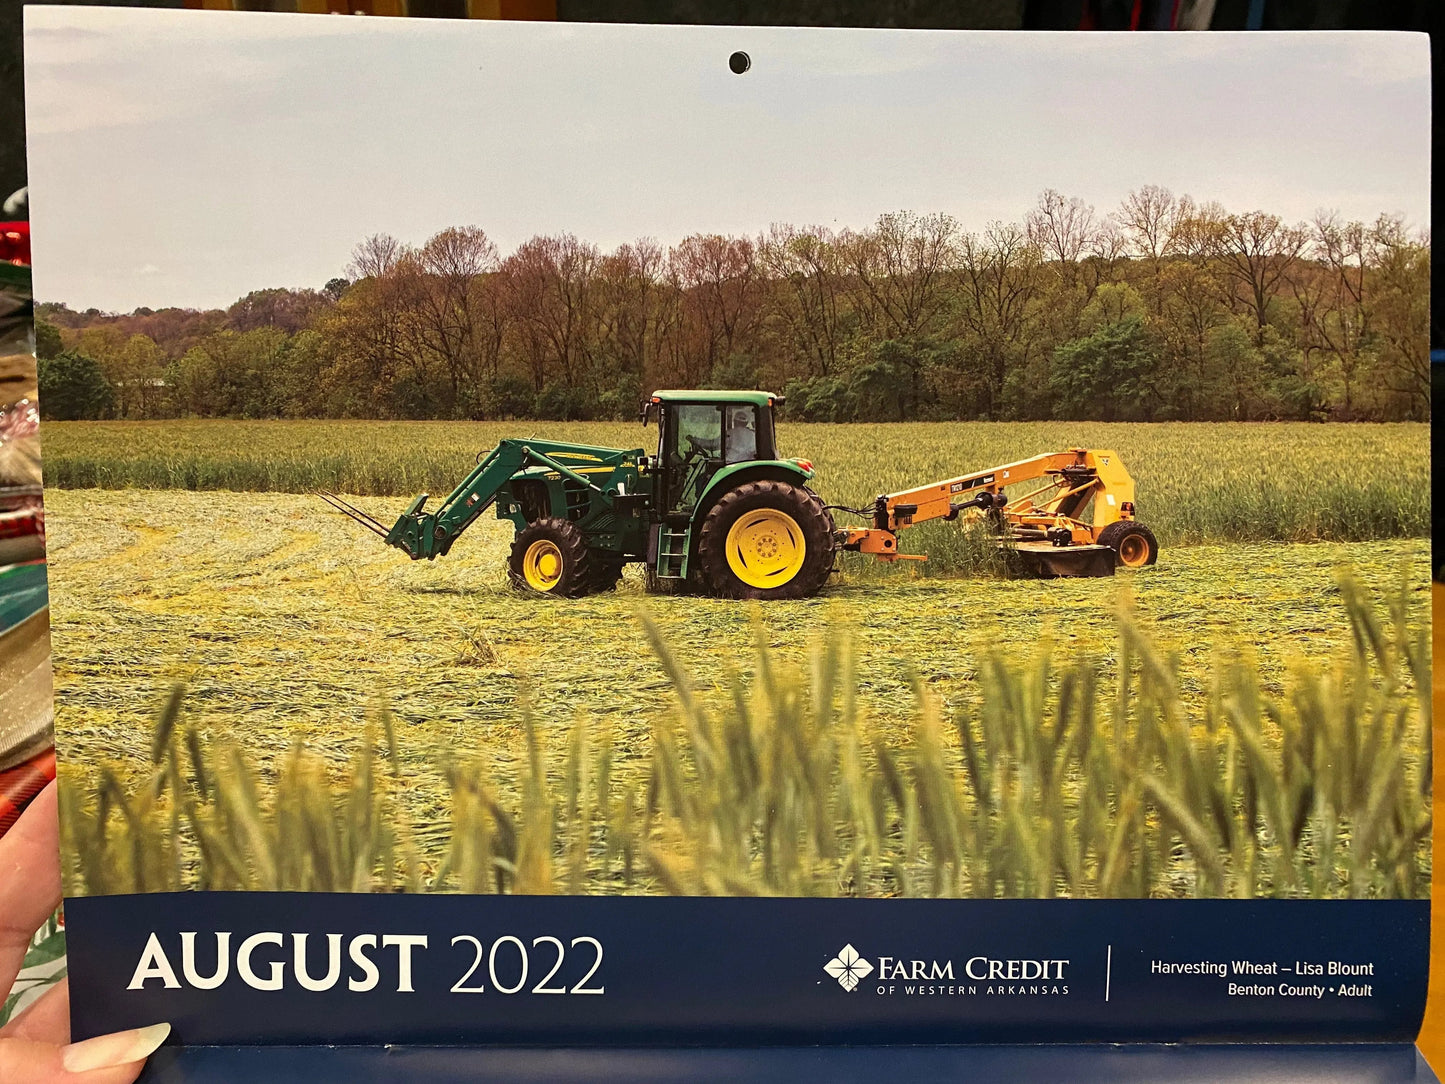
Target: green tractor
{"x":715,"y":509}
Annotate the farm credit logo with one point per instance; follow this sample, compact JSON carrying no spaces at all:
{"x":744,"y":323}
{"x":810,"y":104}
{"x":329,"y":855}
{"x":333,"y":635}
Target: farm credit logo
{"x":848,"y":968}
{"x":985,"y":976}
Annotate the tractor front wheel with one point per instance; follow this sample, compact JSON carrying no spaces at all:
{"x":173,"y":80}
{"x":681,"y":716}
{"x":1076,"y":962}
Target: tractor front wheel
{"x":1133,"y":542}
{"x":550,"y":556}
{"x":766,"y":540}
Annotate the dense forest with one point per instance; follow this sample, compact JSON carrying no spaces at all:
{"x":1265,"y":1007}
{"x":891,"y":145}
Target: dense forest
{"x":1161,"y":309}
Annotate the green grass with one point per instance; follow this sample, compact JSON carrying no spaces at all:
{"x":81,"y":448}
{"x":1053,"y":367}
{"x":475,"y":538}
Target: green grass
{"x":1059,"y":782}
{"x":1196,"y":482}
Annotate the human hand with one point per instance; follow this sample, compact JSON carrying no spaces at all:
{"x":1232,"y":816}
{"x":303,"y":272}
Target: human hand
{"x":35,"y":1047}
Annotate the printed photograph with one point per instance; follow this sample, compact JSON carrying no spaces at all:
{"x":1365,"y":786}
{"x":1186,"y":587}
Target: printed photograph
{"x":518,"y":458}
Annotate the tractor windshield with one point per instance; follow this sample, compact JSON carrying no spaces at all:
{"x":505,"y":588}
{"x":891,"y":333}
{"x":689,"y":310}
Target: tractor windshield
{"x":699,"y":432}
{"x":692,"y":443}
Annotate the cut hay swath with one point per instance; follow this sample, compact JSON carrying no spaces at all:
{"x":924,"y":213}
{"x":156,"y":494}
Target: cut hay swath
{"x":1057,"y":783}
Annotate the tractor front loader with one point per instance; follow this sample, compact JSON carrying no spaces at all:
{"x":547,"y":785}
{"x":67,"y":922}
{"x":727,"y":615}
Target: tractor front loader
{"x":577,"y":508}
{"x":716,"y":510}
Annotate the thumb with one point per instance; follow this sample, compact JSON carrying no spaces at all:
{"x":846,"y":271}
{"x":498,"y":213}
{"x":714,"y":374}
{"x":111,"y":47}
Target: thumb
{"x":106,"y":1059}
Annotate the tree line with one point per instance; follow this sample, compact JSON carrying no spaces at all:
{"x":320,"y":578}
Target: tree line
{"x":1162,"y":309}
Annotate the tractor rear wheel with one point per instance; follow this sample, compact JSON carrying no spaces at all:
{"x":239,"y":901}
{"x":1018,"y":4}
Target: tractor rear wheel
{"x":1133,"y":542}
{"x":766,"y":540}
{"x":549,"y":556}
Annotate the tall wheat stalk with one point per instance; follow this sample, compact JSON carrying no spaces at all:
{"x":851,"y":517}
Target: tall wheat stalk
{"x":1053,"y":784}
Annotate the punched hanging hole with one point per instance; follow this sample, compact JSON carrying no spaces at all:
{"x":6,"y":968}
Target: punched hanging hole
{"x":740,"y":62}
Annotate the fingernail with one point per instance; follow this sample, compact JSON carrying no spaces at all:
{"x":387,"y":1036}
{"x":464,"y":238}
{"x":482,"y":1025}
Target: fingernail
{"x":108,"y":1051}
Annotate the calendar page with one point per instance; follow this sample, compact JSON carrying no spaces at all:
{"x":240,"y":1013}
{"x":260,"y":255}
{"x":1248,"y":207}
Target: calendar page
{"x":677,"y":535}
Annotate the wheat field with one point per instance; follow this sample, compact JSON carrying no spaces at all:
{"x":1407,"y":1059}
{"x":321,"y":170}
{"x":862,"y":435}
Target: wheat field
{"x":532,"y":744}
{"x":1047,"y":788}
{"x":288,"y":628}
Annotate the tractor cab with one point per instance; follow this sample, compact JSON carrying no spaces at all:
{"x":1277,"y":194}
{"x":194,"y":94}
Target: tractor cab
{"x":701,"y":433}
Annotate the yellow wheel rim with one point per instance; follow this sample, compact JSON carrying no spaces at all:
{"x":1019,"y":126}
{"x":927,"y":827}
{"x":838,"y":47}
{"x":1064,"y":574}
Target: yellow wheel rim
{"x":542,"y":565}
{"x":765,"y":548}
{"x":1133,"y":551}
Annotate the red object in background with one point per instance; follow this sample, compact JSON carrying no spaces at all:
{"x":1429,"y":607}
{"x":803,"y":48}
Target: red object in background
{"x":21,"y":518}
{"x":15,"y":243}
{"x":20,"y":784}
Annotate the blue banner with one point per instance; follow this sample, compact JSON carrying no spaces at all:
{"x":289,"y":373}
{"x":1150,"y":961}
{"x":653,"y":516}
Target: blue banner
{"x":278,"y":968}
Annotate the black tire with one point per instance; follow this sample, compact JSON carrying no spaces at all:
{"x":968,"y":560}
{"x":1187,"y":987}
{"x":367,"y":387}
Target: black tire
{"x":806,"y":510}
{"x":575,"y":575}
{"x":1134,"y":544}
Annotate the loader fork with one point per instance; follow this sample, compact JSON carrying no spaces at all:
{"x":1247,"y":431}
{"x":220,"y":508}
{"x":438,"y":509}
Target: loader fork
{"x":365,"y":519}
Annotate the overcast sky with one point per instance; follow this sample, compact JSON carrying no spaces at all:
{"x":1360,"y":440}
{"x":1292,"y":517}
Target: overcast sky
{"x":188,"y":157}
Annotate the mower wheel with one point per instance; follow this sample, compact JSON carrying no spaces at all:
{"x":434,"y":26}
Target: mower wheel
{"x":549,"y":557}
{"x":1134,"y":543}
{"x":766,"y":540}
